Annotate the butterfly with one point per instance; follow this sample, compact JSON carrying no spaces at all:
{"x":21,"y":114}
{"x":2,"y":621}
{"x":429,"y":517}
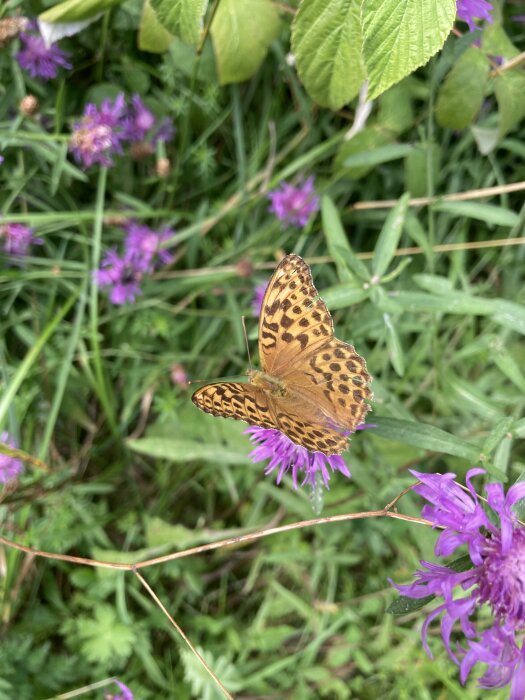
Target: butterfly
{"x":312,"y":387}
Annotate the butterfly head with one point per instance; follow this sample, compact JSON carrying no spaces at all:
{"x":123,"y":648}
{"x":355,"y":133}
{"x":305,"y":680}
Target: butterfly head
{"x":273,"y":385}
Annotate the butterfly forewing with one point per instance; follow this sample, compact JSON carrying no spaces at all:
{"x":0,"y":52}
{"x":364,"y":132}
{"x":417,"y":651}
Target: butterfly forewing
{"x":294,"y":320}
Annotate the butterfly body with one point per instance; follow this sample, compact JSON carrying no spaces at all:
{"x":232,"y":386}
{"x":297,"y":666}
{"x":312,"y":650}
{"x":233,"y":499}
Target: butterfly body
{"x":312,"y":387}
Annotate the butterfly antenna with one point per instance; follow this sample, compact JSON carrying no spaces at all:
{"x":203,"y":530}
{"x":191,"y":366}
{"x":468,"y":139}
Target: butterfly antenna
{"x":246,"y":341}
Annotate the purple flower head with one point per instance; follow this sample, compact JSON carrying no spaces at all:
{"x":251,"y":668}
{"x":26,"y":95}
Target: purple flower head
{"x":496,"y":547}
{"x":286,"y":456}
{"x":99,"y":133}
{"x":145,"y":244}
{"x":16,"y":239}
{"x":39,"y":60}
{"x":126,"y":693}
{"x":10,"y":467}
{"x":294,"y":205}
{"x":122,"y":275}
{"x":467,"y":10}
{"x":139,"y":124}
{"x":138,"y":121}
{"x":258,"y":296}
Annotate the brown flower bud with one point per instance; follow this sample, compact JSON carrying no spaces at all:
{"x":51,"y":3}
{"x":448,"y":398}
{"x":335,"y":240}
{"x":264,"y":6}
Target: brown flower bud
{"x":140,"y":150}
{"x":244,"y":268}
{"x":10,"y":27}
{"x":28,"y":105}
{"x":163,"y":167}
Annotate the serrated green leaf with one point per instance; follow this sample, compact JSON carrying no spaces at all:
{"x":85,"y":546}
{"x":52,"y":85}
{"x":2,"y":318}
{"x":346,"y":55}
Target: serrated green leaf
{"x":489,"y":213}
{"x":153,"y":36}
{"x":336,"y":237}
{"x":326,"y":42}
{"x":104,"y":637}
{"x":182,"y":18}
{"x":180,"y":450}
{"x":461,"y":95}
{"x":388,"y":240}
{"x":400,"y":36}
{"x":510,"y":94}
{"x":425,"y":436}
{"x":76,"y":10}
{"x":242,"y":33}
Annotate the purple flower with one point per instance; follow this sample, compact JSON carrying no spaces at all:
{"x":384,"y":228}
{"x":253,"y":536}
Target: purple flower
{"x":16,"y":239}
{"x":99,"y":133}
{"x":10,"y":467}
{"x":285,"y":456}
{"x":294,"y":205}
{"x":496,"y":547}
{"x":258,"y":296}
{"x":122,"y":275}
{"x":126,"y":692}
{"x":139,"y":124}
{"x":138,"y":121}
{"x":469,"y":9}
{"x":40,"y":60}
{"x":142,"y":252}
{"x":145,"y":243}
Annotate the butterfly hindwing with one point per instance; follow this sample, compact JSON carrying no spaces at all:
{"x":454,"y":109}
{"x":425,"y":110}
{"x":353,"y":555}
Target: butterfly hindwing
{"x":235,"y":400}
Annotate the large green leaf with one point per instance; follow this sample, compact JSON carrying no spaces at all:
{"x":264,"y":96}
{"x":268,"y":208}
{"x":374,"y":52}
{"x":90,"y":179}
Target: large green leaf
{"x":400,"y":36}
{"x":242,"y":33}
{"x":326,"y":42}
{"x":153,"y":36}
{"x":182,"y":18}
{"x":461,"y":95}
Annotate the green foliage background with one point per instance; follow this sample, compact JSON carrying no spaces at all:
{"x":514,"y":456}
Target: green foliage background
{"x":137,"y":472}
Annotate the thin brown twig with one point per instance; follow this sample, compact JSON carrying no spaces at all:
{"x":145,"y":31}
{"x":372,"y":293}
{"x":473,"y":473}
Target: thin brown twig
{"x":455,"y":197}
{"x":179,"y":629}
{"x":368,"y":255}
{"x":229,"y":541}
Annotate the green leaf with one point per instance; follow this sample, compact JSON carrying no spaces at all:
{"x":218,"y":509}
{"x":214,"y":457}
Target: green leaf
{"x":461,"y":95}
{"x":153,"y":37}
{"x":388,"y":240}
{"x":403,"y":605}
{"x":326,"y":42}
{"x":104,"y":638}
{"x":396,"y":112}
{"x":400,"y":36}
{"x":495,"y":41}
{"x":342,"y":295}
{"x":426,"y":436}
{"x":366,"y":141}
{"x":336,"y":237}
{"x":489,"y":213}
{"x":180,"y":450}
{"x":383,"y":154}
{"x":510,"y":94}
{"x":76,"y":10}
{"x":182,"y":18}
{"x":395,"y":351}
{"x":422,"y":157}
{"x":242,"y":33}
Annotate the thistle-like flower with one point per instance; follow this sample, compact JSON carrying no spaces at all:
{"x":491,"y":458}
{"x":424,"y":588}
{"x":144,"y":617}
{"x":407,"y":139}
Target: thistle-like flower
{"x":38,"y":59}
{"x":15,"y":239}
{"x":98,"y":135}
{"x":10,"y":467}
{"x":495,"y":542}
{"x":294,"y":205}
{"x":469,"y":10}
